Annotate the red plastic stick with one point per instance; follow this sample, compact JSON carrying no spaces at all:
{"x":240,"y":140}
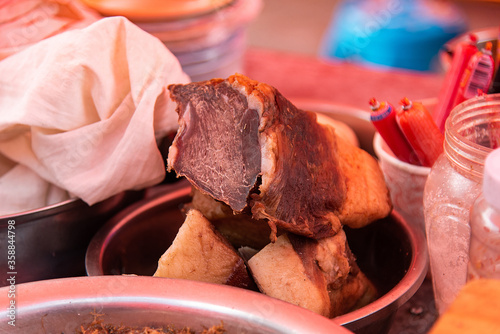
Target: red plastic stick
{"x":448,"y":93}
{"x":422,"y":133}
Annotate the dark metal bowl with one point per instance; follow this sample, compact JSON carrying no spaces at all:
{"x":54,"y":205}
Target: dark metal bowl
{"x":62,"y":305}
{"x":389,"y":251}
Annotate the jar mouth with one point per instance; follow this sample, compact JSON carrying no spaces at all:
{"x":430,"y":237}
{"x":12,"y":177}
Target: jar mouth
{"x":472,"y":131}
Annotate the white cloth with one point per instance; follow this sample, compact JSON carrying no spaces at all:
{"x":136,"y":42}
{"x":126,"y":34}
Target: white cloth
{"x":83,"y":111}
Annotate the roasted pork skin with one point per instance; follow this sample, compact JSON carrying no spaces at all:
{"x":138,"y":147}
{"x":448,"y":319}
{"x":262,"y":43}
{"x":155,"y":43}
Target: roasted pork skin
{"x":244,"y":144}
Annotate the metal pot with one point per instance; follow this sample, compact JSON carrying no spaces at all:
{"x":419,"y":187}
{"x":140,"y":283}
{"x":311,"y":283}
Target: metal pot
{"x":51,"y":242}
{"x":63,"y":305}
{"x":392,"y":253}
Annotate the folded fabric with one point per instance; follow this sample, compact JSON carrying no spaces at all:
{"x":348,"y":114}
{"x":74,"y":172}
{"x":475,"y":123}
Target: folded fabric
{"x":83,"y":111}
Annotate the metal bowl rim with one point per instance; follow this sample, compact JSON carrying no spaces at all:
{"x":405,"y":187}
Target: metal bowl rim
{"x":165,"y":293}
{"x":59,"y":207}
{"x":56,"y":207}
{"x":403,"y":291}
{"x":93,"y":256}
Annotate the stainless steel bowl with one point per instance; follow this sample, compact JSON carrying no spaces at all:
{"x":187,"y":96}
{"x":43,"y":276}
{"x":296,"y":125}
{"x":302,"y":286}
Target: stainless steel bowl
{"x":392,"y":253}
{"x":51,"y":242}
{"x":62,"y":305}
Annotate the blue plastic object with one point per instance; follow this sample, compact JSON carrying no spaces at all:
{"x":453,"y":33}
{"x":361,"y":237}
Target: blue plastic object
{"x":395,"y":33}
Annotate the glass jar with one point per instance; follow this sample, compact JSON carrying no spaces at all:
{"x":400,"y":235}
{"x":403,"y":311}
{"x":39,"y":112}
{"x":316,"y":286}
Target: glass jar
{"x":484,"y":252}
{"x":453,"y":185}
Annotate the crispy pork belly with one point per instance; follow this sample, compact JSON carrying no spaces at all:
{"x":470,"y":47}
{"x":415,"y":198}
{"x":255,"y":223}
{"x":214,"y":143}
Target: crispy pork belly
{"x":320,"y":275}
{"x":200,"y":253}
{"x":367,"y":197}
{"x":244,"y":144}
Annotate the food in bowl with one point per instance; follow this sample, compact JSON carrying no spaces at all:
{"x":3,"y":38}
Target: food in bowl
{"x":199,"y":252}
{"x":391,"y":252}
{"x":257,"y":162}
{"x":98,"y":326}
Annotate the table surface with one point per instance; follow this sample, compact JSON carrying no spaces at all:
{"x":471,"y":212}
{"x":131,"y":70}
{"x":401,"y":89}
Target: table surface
{"x":301,"y":76}
{"x":304,"y":77}
{"x":418,"y":314}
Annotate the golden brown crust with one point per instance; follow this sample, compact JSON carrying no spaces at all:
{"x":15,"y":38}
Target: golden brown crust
{"x":279,"y":272}
{"x":200,"y":253}
{"x":367,"y":196}
{"x":320,"y":275}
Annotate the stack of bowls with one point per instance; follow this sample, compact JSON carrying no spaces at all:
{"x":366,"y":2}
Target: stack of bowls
{"x":208,"y":39}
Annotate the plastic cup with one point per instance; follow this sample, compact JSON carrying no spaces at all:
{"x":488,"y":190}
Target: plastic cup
{"x":406,"y":183}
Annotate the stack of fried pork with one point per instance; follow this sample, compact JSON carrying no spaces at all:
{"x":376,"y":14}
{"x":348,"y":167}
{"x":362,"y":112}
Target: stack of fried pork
{"x":272,"y":190}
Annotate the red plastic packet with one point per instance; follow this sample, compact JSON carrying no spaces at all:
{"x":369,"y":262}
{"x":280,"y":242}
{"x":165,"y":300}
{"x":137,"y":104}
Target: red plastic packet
{"x":448,"y":93}
{"x":422,"y":133}
{"x":478,"y":75}
{"x":383,"y":117}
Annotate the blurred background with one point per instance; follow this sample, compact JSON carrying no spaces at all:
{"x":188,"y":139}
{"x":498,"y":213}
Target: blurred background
{"x":405,"y":34}
{"x":299,"y":25}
